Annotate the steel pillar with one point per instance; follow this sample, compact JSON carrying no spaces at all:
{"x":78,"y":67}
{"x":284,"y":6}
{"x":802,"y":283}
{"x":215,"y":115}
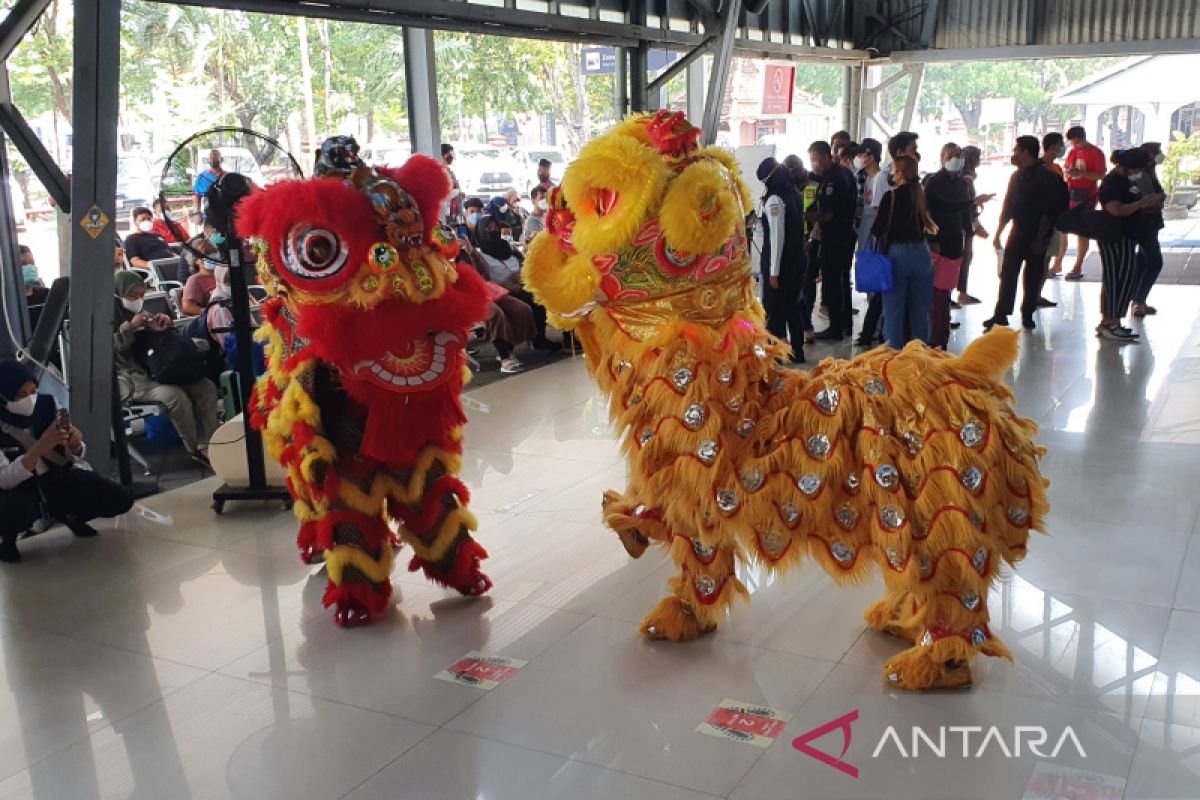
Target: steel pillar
{"x":14,"y":287}
{"x":695,"y":89}
{"x":726,"y":32}
{"x":424,"y":122}
{"x":621,"y":83}
{"x":916,"y":76}
{"x":639,"y":99}
{"x":97,"y":67}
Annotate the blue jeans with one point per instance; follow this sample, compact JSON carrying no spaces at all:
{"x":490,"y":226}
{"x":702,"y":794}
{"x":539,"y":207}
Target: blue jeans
{"x":1149,"y":264}
{"x":912,"y":293}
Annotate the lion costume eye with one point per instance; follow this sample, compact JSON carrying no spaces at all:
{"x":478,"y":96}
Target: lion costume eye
{"x":314,"y":253}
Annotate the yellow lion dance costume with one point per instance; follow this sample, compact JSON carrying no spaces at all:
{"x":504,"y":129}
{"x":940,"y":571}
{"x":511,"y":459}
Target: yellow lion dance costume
{"x":911,"y":461}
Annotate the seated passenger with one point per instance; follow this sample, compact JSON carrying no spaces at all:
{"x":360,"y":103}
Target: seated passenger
{"x":197,"y":292}
{"x":500,"y":263}
{"x":48,"y":472}
{"x":510,"y":320}
{"x":168,"y":232}
{"x":185,"y":404}
{"x":143,"y":245}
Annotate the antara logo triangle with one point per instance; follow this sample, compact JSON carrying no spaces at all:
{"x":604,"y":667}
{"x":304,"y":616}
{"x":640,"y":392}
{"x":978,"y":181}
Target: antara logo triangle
{"x":843,"y":724}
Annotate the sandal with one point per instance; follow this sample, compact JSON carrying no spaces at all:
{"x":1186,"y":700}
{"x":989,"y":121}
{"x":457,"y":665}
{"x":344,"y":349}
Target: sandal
{"x":1073,"y":276}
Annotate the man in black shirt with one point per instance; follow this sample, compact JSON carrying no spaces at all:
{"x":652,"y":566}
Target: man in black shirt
{"x":837,"y":201}
{"x":1035,"y":199}
{"x":143,"y":245}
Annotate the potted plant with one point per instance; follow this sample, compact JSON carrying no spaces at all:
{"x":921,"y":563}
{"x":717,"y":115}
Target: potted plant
{"x":1181,"y":173}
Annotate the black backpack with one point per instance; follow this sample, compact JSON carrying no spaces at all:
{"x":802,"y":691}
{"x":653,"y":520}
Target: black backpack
{"x":170,"y":357}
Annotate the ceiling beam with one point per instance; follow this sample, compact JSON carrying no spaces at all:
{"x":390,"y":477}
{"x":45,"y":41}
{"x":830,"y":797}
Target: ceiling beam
{"x":1018,"y":52}
{"x":21,"y":17}
{"x":494,"y":21}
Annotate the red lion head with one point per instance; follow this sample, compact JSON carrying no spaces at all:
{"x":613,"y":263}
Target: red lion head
{"x":363,"y":271}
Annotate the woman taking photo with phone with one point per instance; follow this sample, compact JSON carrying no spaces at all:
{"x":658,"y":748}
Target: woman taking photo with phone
{"x":46,"y":475}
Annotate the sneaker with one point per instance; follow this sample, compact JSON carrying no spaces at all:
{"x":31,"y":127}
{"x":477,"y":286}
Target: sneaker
{"x":994,"y":321}
{"x":510,"y":365}
{"x":1073,"y":276}
{"x":955,"y":305}
{"x":966,"y":299}
{"x":1116,"y":334}
{"x":1028,"y":324}
{"x":201,"y":459}
{"x":809,"y":337}
{"x":955,"y":326}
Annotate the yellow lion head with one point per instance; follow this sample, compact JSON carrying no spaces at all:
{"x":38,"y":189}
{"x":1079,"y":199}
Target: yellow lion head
{"x":642,"y":214}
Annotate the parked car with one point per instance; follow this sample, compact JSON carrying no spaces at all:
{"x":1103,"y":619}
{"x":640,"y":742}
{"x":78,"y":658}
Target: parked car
{"x":528,"y":159}
{"x":389,"y":154}
{"x":484,"y":171}
{"x":135,"y":185}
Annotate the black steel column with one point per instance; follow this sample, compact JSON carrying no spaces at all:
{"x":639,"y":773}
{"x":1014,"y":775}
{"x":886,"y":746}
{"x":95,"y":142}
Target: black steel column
{"x":97,"y":65}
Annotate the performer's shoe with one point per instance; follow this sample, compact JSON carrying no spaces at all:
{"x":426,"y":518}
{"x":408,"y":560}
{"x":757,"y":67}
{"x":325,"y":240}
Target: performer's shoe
{"x":351,"y":614}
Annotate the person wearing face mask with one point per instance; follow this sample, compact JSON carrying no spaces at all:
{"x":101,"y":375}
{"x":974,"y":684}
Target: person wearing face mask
{"x":472,"y":213}
{"x":783,"y":262}
{"x":452,"y":209}
{"x":837,"y":197}
{"x":1053,"y":146}
{"x":536,"y":223}
{"x":207,"y":178}
{"x":972,"y":156}
{"x":198,"y":291}
{"x":950,"y":204}
{"x":192,"y":407}
{"x":1126,"y":206}
{"x":900,"y":230}
{"x":510,"y":214}
{"x":500,"y":263}
{"x":1149,"y":254}
{"x":1036,"y":197}
{"x":874,"y":182}
{"x":143,"y":245}
{"x":47,"y":474}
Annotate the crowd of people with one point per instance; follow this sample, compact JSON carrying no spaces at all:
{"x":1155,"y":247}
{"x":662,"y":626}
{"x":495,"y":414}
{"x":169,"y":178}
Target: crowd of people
{"x":493,"y":236}
{"x":814,"y":221}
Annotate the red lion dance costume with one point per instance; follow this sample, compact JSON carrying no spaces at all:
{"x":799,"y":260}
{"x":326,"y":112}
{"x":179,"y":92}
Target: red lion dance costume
{"x":364,"y":331}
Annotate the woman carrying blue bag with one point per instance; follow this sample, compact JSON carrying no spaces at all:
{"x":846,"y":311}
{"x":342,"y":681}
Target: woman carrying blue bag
{"x":900,"y":228}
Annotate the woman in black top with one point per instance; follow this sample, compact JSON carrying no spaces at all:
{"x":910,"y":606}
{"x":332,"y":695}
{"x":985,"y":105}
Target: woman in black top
{"x":1149,"y":255}
{"x":1122,"y":200}
{"x":901,"y":225}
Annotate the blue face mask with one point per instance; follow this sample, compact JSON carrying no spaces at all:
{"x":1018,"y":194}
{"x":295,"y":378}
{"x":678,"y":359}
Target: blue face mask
{"x":217,"y":238}
{"x":473,"y":218}
{"x":29,"y":274}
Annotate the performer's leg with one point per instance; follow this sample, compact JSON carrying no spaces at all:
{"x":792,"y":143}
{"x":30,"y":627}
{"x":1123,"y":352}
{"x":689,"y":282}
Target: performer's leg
{"x":700,"y":594}
{"x":358,"y":555}
{"x":432,"y":505}
{"x":947,"y":617}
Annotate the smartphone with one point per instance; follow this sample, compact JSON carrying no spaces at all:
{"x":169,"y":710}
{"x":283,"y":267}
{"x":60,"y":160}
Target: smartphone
{"x":461,"y":231}
{"x":62,"y":420}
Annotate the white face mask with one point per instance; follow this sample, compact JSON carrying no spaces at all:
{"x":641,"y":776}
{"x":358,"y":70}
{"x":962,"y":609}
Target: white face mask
{"x":145,"y":226}
{"x":22,"y":407}
{"x":132,"y":306}
{"x":1159,"y":158}
{"x":955,"y":164}
{"x":1135,"y":176}
{"x":859,"y":163}
{"x":506,"y":237}
{"x":543,"y":205}
{"x":503,"y":209}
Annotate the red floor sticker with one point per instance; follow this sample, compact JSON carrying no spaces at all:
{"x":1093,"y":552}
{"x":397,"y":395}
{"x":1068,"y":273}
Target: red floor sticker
{"x":481,"y":671}
{"x":745,"y":722}
{"x":1055,"y":782}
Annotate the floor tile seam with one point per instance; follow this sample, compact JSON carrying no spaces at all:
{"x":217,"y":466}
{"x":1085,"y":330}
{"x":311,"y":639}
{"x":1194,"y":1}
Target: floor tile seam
{"x":482,"y":695}
{"x":432,"y":730}
{"x":120,"y":648}
{"x":298,"y":693}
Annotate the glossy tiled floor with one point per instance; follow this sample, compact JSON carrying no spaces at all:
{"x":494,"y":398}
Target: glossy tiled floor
{"x":186,"y":656}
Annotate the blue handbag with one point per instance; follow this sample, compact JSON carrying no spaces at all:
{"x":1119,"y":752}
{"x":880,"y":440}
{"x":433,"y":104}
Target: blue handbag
{"x":872,"y":271}
{"x":872,"y":268}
